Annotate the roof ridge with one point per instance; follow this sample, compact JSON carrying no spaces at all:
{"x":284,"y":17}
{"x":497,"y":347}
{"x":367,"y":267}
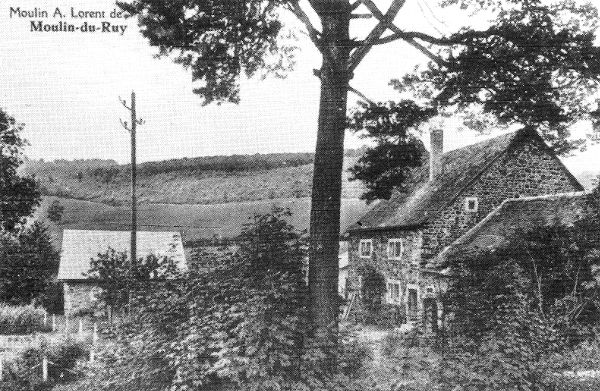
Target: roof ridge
{"x":512,"y":134}
{"x":549,"y":196}
{"x":115,"y":230}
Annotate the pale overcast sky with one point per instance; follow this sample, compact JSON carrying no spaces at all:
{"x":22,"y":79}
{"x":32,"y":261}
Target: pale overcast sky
{"x":65,"y":86}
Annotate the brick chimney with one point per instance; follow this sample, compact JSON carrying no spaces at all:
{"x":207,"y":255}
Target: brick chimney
{"x":436,"y":151}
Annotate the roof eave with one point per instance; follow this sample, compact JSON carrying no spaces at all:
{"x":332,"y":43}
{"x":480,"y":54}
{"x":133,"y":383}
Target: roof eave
{"x":406,"y":227}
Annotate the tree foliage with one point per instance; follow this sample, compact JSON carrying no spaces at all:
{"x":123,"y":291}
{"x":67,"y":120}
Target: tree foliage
{"x":28,"y":264}
{"x":118,"y":276}
{"x":18,"y":196}
{"x":55,"y":211}
{"x":398,"y":150}
{"x":217,"y":40}
{"x":535,"y":65}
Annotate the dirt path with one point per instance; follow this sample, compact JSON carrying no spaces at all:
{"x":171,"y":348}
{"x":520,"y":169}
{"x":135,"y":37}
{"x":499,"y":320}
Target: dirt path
{"x":374,"y":338}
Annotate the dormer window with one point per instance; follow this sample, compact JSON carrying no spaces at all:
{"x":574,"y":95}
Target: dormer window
{"x":366,"y":248}
{"x":471,"y":204}
{"x":395,"y":248}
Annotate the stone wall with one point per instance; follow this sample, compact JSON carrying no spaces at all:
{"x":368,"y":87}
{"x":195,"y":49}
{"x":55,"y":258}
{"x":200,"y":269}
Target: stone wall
{"x":79,"y":296}
{"x":526,"y":170}
{"x":404,"y":270}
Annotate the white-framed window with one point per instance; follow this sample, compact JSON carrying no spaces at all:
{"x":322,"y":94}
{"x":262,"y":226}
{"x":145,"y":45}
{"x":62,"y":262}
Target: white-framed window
{"x":471,"y":204}
{"x":395,"y":248}
{"x":365,"y":248}
{"x":393,"y":291}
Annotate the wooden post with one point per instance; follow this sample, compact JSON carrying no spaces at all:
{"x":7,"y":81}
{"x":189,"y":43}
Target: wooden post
{"x":95,"y":334}
{"x":53,"y":322}
{"x":134,"y":123}
{"x":132,"y":130}
{"x":1,"y":369}
{"x":80,"y":331}
{"x":45,"y":318}
{"x":45,"y":369}
{"x":66,"y":324}
{"x":92,"y":354}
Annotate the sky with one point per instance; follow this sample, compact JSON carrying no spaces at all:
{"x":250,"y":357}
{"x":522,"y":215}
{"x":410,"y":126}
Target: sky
{"x":65,"y":88}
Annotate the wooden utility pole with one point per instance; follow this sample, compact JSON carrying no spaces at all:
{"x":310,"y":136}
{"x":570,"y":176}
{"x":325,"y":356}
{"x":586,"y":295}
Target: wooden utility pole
{"x":132,"y":130}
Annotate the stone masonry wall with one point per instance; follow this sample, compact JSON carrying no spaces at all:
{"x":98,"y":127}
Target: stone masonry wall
{"x":526,"y":170}
{"x":404,"y":270}
{"x":78,"y":296}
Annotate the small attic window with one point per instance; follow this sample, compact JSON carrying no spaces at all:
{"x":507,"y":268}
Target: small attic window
{"x":471,"y":204}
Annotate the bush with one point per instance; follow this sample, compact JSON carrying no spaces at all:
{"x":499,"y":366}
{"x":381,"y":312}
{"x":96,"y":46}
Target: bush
{"x":25,"y":374}
{"x":21,"y":319}
{"x":407,"y":364}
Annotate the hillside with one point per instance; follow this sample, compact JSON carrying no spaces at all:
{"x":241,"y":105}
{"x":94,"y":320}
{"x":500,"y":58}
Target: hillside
{"x":203,"y":180}
{"x":194,"y":221}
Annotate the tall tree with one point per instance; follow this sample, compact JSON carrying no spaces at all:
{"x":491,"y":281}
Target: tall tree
{"x":18,"y":196}
{"x":220,"y":40}
{"x":28,"y":265}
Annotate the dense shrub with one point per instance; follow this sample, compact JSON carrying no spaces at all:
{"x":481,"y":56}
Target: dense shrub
{"x":514,"y":307}
{"x":237,"y":322}
{"x":28,"y":265}
{"x":25,"y":373}
{"x":407,"y":363}
{"x":21,"y":319}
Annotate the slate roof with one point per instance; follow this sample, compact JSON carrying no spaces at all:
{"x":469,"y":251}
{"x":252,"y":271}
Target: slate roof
{"x":80,"y":246}
{"x":512,"y":215}
{"x":428,"y":198}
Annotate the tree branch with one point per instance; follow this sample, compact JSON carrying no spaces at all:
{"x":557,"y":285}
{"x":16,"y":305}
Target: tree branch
{"x":313,"y":33}
{"x":435,"y":58}
{"x":361,"y":95}
{"x":355,"y":5}
{"x":359,"y":53}
{"x":317,"y":73}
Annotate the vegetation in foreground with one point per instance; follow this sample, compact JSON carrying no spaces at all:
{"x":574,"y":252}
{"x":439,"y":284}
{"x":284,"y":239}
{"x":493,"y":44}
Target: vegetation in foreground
{"x":25,"y":319}
{"x":24,"y":372}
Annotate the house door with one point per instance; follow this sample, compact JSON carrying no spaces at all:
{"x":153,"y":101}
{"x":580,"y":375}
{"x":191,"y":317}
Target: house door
{"x":430,"y":317}
{"x":412,"y":304}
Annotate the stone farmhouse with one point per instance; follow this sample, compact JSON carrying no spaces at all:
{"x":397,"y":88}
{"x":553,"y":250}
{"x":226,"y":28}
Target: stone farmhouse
{"x":79,"y":247}
{"x":469,"y":197}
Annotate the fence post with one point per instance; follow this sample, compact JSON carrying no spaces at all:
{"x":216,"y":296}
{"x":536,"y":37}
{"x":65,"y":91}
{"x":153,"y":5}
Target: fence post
{"x":1,"y":368}
{"x":95,"y":334}
{"x":92,"y":354}
{"x":45,"y":319}
{"x":80,"y":331}
{"x":66,"y":324}
{"x":45,"y":369}
{"x":53,"y":322}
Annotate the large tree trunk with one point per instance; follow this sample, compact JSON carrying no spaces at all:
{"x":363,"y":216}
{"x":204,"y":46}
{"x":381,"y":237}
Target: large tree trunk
{"x":327,"y":177}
